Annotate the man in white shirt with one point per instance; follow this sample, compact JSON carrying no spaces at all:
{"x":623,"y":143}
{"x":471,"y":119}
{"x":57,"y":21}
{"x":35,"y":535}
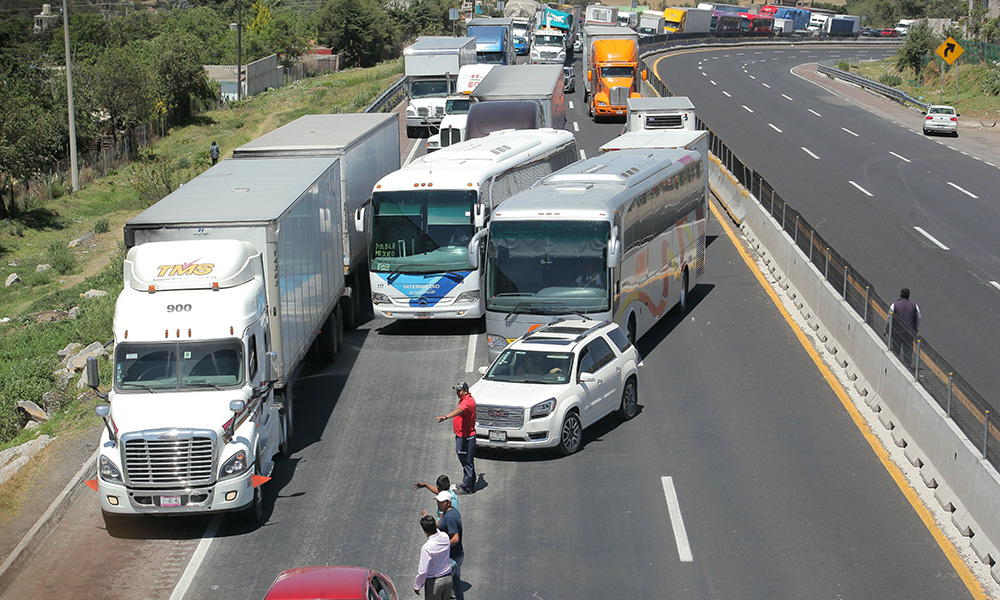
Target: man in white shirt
{"x":434,"y":568}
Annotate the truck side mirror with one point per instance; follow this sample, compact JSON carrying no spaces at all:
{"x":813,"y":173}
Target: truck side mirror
{"x":270,"y":375}
{"x":644,"y":73}
{"x":590,"y":75}
{"x":359,"y":219}
{"x":104,"y":411}
{"x":93,"y":380}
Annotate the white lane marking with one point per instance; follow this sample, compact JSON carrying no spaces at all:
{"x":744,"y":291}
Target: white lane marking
{"x":196,"y":559}
{"x":815,"y":113}
{"x":863,"y":190}
{"x":413,"y":151}
{"x":991,"y":164}
{"x":576,"y":126}
{"x":704,"y":74}
{"x":995,"y":284}
{"x":902,"y":158}
{"x":676,"y":521}
{"x":747,"y":108}
{"x":571,"y":105}
{"x":699,"y":66}
{"x":775,"y":128}
{"x":727,"y":94}
{"x":470,"y":360}
{"x":583,"y":155}
{"x":752,"y":77}
{"x":806,"y":150}
{"x":931,"y":238}
{"x":963,"y":190}
{"x":786,"y":97}
{"x":849,"y":131}
{"x":712,"y":81}
{"x":765,"y":85}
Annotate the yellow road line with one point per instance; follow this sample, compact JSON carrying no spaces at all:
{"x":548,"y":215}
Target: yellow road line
{"x":922,"y":511}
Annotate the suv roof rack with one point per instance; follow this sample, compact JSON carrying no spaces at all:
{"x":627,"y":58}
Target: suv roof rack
{"x":560,"y":320}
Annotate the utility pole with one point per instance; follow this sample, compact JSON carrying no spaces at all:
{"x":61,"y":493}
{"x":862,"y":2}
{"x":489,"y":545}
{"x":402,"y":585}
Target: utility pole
{"x":239,"y":49}
{"x":74,"y":167}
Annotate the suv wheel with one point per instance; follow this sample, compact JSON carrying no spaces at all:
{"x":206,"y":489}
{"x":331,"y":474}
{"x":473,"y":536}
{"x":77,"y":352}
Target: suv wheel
{"x":571,"y":435}
{"x":630,"y":400}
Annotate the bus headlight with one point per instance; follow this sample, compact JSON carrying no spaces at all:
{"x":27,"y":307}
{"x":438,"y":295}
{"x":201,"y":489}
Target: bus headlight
{"x":109,"y":471}
{"x":496,"y":341}
{"x":378,"y":298}
{"x":470,"y":296}
{"x":543,"y":409}
{"x":236,"y":464}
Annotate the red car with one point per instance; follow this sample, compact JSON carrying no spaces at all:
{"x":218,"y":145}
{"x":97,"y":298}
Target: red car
{"x":890,"y":33}
{"x":331,"y":583}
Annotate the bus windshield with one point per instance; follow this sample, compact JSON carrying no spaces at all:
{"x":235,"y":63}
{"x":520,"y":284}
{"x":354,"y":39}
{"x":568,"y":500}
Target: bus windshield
{"x":548,"y":267}
{"x":172,"y":366}
{"x":426,"y":231}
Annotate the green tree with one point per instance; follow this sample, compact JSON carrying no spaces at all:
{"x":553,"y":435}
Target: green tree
{"x":358,"y":29}
{"x":284,"y":33}
{"x":912,"y":54}
{"x":181,"y":82}
{"x":120,"y":84}
{"x":89,"y":36}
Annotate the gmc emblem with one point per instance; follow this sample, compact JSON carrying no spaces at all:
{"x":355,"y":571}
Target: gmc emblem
{"x":499,"y":413}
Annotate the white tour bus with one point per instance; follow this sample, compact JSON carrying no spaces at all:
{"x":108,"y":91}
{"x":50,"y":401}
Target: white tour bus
{"x":619,"y":236}
{"x":423,"y":217}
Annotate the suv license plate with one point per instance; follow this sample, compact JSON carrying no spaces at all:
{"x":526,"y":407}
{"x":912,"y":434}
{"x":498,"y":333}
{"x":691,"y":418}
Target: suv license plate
{"x":498,"y":436}
{"x":170,"y":500}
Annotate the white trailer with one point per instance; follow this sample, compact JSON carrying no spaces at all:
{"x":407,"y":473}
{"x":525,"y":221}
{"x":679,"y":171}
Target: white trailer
{"x":368,"y":146}
{"x":672,"y":112}
{"x":229,"y":282}
{"x":542,"y":84}
{"x":598,"y":14}
{"x":651,"y":22}
{"x":431,"y":67}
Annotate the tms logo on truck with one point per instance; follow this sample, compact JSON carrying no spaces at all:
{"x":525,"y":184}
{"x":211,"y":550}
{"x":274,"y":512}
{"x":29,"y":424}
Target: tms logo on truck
{"x":191,"y":268}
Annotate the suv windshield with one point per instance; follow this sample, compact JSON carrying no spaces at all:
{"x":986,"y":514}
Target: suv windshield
{"x":527,"y":366}
{"x":172,"y":366}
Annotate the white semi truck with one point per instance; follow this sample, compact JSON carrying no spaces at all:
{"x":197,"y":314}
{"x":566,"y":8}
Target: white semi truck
{"x":431,"y":67}
{"x":368,"y":147}
{"x":230,"y":282}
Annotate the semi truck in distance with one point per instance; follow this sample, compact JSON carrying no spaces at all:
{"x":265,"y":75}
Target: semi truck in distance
{"x":456,"y":108}
{"x":231,"y":282}
{"x":431,"y":66}
{"x":672,"y":112}
{"x":611,"y":58}
{"x":651,"y":23}
{"x":687,"y":20}
{"x":541,"y":84}
{"x":494,"y":40}
{"x":367,"y":145}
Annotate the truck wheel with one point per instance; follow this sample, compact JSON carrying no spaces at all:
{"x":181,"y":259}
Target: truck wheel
{"x":253,"y":514}
{"x":287,"y":415}
{"x":338,"y":331}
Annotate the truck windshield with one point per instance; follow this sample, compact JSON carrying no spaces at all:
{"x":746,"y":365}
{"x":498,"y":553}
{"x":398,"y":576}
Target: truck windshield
{"x":156,"y":366}
{"x":617,"y":72}
{"x":426,"y":231}
{"x":548,"y":40}
{"x":457,"y":106}
{"x":548,"y":267}
{"x":491,"y":58}
{"x":429,"y":88}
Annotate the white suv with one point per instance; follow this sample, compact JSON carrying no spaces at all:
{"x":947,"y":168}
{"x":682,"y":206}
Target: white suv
{"x":550,"y":384}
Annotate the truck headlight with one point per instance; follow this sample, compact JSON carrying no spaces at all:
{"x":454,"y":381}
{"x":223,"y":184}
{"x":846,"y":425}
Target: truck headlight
{"x":109,"y":471}
{"x":235,"y":465}
{"x":496,"y":341}
{"x":378,"y":298}
{"x":543,"y":409}
{"x":601,"y":103}
{"x":471,"y":296}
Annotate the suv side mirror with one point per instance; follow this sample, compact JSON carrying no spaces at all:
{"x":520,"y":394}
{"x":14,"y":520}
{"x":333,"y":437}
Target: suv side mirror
{"x":482,"y":370}
{"x":587,"y":377}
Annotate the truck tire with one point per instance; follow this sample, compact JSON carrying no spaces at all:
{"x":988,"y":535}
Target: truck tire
{"x":287,"y":414}
{"x":253,"y":514}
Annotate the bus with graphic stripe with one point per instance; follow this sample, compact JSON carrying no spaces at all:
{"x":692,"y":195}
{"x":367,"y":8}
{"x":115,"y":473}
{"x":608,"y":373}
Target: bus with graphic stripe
{"x":620,"y":236}
{"x":423,"y":217}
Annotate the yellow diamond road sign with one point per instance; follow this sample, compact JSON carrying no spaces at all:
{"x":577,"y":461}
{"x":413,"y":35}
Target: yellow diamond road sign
{"x":950,"y":50}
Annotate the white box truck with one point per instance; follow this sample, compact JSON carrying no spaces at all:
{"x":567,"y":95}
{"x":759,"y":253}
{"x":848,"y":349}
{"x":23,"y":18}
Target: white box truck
{"x":229,"y":282}
{"x":431,"y":67}
{"x":654,"y":113}
{"x":540,"y":83}
{"x":651,"y":22}
{"x":367,"y":145}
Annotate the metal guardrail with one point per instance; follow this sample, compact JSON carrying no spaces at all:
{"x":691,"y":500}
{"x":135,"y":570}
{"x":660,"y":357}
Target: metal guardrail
{"x":885,"y":90}
{"x":960,"y":401}
{"x":388,"y":99}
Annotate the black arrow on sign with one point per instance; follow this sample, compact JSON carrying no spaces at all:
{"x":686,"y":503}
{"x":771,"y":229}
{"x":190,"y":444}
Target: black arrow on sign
{"x":949,"y":48}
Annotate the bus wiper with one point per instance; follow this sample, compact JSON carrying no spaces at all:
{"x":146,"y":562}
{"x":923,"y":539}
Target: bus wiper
{"x":528,"y":304}
{"x":138,"y":385}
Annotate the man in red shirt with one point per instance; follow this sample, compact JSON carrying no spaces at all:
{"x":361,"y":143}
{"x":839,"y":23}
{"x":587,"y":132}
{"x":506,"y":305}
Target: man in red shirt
{"x":464,"y":424}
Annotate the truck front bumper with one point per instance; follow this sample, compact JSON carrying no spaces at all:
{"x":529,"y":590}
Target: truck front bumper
{"x":423,"y":121}
{"x":610,"y":111}
{"x":230,"y":494}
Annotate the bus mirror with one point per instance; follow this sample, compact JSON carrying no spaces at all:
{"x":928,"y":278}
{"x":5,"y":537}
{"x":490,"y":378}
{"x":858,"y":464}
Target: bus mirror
{"x":480,"y":218}
{"x":359,"y":219}
{"x":474,"y":248}
{"x":613,"y":248}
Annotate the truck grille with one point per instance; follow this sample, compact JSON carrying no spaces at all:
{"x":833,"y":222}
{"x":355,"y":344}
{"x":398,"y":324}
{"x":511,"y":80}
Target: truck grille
{"x":618,"y":96}
{"x":499,"y":416}
{"x":169,"y":458}
{"x":423,"y":111}
{"x":450,"y":136}
{"x":548,"y":54}
{"x":664,"y":122}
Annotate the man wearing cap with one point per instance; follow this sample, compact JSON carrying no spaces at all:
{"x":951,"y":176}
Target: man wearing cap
{"x":451,"y":523}
{"x":435,"y":562}
{"x":464,"y":423}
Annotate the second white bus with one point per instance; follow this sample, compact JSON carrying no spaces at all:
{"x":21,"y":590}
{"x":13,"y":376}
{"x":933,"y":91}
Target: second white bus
{"x":619,"y":236}
{"x":423,"y":217}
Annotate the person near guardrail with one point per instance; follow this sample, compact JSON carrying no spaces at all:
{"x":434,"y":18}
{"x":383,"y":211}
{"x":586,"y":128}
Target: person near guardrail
{"x":901,"y":326}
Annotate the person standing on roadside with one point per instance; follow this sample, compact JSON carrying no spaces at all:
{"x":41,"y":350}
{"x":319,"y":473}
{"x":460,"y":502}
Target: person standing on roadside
{"x":464,"y":425}
{"x":451,"y":523}
{"x":443,"y":484}
{"x":213,"y":151}
{"x":904,"y":315}
{"x":435,"y":562}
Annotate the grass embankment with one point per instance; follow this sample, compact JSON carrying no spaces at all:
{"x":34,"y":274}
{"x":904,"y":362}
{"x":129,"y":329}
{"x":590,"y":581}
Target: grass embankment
{"x":41,"y":231}
{"x":971,"y":103}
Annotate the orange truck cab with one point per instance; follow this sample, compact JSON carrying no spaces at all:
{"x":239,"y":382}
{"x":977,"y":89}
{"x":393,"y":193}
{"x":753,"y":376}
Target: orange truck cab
{"x":613,"y":76}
